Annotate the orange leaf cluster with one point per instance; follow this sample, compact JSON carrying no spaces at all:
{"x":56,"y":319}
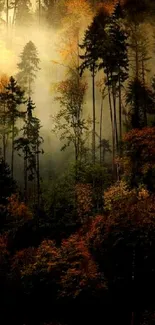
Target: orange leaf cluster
{"x":106,"y":6}
{"x":82,"y":270}
{"x":119,"y":194}
{"x":67,"y":86}
{"x":4,"y":80}
{"x":18,"y":210}
{"x":130,"y":215}
{"x":140,"y":145}
{"x":84,"y":199}
{"x":96,"y":231}
{"x":70,"y":267}
{"x":23,"y":259}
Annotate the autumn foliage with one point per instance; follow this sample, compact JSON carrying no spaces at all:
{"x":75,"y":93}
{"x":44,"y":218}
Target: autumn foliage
{"x":84,"y":199}
{"x":70,"y":269}
{"x":18,"y":210}
{"x":140,"y":144}
{"x":4,"y":80}
{"x":82,"y":273}
{"x":138,"y":161}
{"x":4,"y":253}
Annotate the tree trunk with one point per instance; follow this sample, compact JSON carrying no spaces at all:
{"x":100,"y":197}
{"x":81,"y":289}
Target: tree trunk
{"x":12,"y":152}
{"x":39,"y":11}
{"x":120,"y":110}
{"x":101,"y":118}
{"x":115,"y":115}
{"x":143,"y":81}
{"x":112,"y":128}
{"x":4,"y":135}
{"x":25,"y":176}
{"x":14,"y":13}
{"x":29,"y":88}
{"x":94,"y":119}
{"x":38,"y":175}
{"x":4,"y":147}
{"x":136,"y":56}
{"x":7,"y":14}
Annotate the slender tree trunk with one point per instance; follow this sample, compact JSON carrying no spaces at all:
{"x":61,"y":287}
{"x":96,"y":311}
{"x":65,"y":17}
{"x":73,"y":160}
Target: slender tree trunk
{"x":25,"y":176}
{"x":112,"y":128}
{"x":94,"y":119}
{"x":14,"y":13}
{"x":120,"y":110}
{"x":143,"y":81}
{"x":115,"y":115}
{"x":143,"y":71}
{"x":12,"y":150}
{"x":136,"y":56}
{"x":79,"y":110}
{"x":38,"y":175}
{"x":29,"y":88}
{"x":4,"y":135}
{"x":101,"y":118}
{"x":7,"y":15}
{"x":4,"y":147}
{"x":76,"y":160}
{"x":39,"y":10}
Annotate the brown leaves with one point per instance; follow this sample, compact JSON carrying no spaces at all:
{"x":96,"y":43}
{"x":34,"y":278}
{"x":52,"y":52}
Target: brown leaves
{"x":4,"y":253}
{"x":70,"y":268}
{"x":130,"y":217}
{"x":82,"y":271}
{"x":23,"y":261}
{"x":84,"y":199}
{"x":18,"y":210}
{"x":140,"y":150}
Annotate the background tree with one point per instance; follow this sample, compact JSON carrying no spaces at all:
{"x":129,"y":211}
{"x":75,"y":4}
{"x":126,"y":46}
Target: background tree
{"x":53,"y":12}
{"x":114,"y":56}
{"x":15,"y":98}
{"x":29,"y":143}
{"x":69,"y":120}
{"x":24,"y":144}
{"x":21,"y":12}
{"x":140,"y":102}
{"x":90,"y":61}
{"x":7,"y":184}
{"x":2,"y":3}
{"x":139,"y":94}
{"x":36,"y":143}
{"x":28,"y":67}
{"x":4,"y":118}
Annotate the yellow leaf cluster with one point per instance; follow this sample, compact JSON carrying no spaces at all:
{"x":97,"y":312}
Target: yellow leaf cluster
{"x":4,"y":80}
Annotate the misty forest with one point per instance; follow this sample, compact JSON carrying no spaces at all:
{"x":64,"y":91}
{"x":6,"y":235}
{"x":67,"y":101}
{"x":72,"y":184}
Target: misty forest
{"x":77,"y":162}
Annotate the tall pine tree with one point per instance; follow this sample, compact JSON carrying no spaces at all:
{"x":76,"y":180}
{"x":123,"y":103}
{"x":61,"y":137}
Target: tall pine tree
{"x":29,"y":144}
{"x":90,"y":62}
{"x":15,"y":98}
{"x":28,"y":67}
